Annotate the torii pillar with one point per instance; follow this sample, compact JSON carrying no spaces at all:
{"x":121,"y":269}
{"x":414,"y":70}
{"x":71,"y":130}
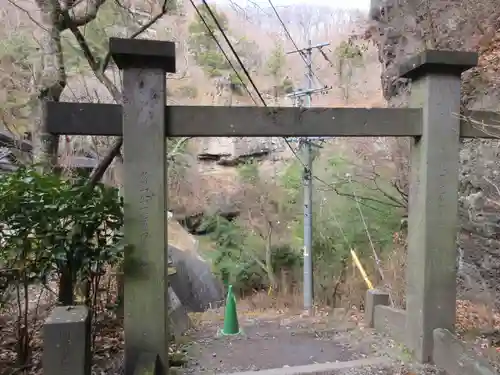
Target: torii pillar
{"x":144,"y":64}
{"x":433,"y":197}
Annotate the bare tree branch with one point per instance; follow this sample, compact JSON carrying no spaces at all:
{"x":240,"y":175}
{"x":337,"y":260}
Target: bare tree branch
{"x":94,"y":65}
{"x":51,"y":80}
{"x":99,"y":171}
{"x":99,"y":70}
{"x":142,"y":29}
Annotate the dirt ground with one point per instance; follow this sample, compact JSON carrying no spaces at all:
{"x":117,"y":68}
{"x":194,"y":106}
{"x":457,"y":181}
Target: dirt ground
{"x":284,"y":340}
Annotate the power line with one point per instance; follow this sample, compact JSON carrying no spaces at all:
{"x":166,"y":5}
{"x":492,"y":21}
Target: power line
{"x":233,"y":50}
{"x":290,"y":37}
{"x":210,"y":31}
{"x":212,"y":34}
{"x":286,"y":29}
{"x":240,"y":62}
{"x":242,"y":65}
{"x":308,"y":93}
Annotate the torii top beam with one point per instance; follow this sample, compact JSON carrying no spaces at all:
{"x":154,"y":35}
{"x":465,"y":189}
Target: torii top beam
{"x":203,"y":121}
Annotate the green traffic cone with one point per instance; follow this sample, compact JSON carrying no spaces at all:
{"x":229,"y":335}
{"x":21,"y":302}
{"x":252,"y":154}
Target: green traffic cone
{"x":231,"y":326}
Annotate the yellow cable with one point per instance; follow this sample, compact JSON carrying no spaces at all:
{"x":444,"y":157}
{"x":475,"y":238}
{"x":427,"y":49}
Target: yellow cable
{"x":361,"y":269}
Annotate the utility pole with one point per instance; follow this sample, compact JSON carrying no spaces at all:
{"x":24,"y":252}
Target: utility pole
{"x":306,"y":147}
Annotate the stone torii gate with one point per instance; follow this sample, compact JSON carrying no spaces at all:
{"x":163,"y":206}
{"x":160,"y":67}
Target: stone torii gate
{"x":144,"y":121}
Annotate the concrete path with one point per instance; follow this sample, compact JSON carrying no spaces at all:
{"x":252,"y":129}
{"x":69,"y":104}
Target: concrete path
{"x":286,"y":344}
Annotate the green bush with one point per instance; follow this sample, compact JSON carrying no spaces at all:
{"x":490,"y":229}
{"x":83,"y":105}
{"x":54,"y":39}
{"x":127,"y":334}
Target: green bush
{"x":337,"y":228}
{"x":234,"y":257}
{"x":337,"y":223}
{"x":52,"y":226}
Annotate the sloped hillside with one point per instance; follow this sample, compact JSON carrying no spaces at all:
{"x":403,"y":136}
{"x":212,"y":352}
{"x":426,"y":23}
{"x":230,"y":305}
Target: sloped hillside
{"x":207,"y":175}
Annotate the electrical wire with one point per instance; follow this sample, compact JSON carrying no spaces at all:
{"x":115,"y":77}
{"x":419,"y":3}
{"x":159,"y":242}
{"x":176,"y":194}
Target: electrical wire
{"x":217,"y":23}
{"x":242,"y":65}
{"x":365,"y":226}
{"x":260,"y":95}
{"x":290,"y":37}
{"x":210,"y":31}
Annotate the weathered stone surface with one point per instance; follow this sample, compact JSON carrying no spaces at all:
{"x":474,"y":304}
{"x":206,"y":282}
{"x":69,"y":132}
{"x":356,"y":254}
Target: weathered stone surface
{"x":195,"y":285}
{"x":177,"y":313}
{"x":455,"y":358}
{"x":376,"y":365}
{"x":432,"y":218}
{"x":145,"y":219}
{"x":479,"y":245}
{"x":194,"y":282}
{"x":66,"y":336}
{"x":234,"y":150}
{"x":401,"y":28}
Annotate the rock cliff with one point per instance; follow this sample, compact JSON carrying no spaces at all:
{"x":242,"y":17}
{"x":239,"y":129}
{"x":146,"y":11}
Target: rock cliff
{"x":401,"y":29}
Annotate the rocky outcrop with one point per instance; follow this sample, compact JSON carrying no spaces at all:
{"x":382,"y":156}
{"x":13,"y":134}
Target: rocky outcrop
{"x":177,"y":314}
{"x":231,"y":151}
{"x":193,"y":282}
{"x":213,"y":185}
{"x":401,"y":29}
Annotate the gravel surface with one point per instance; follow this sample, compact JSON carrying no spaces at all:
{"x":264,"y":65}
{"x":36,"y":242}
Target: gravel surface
{"x":294,"y":341}
{"x":263,"y":345}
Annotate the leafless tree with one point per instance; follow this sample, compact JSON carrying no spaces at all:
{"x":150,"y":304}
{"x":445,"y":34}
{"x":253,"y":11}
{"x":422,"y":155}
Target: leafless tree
{"x":264,"y":216}
{"x":50,"y":19}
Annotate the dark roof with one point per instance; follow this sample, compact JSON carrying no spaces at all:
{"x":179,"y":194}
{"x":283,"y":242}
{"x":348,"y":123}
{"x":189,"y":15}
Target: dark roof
{"x":8,"y":159}
{"x":9,"y":140}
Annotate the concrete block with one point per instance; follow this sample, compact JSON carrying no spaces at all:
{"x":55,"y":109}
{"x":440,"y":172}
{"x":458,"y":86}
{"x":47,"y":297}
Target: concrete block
{"x":66,"y":341}
{"x":391,"y":321}
{"x":374,"y":297}
{"x":450,"y":354}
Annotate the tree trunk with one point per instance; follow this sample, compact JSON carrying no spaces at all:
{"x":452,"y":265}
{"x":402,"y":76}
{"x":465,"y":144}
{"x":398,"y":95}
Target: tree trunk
{"x":50,"y":81}
{"x":66,"y":281}
{"x":120,"y":293}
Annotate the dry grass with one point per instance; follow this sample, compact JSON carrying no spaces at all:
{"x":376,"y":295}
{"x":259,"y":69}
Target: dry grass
{"x":479,"y":326}
{"x":477,"y":322}
{"x":107,"y":328}
{"x":394,"y":272}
